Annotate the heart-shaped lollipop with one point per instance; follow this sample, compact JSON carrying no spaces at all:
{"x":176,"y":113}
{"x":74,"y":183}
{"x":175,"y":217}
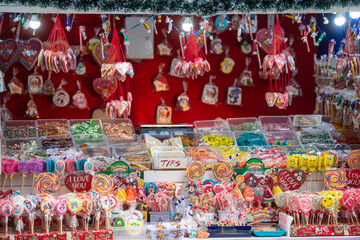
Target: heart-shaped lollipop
{"x":270,"y":98}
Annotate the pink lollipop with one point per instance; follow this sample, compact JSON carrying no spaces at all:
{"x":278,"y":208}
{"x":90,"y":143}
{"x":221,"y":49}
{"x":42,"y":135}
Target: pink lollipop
{"x":61,"y":208}
{"x":11,"y":168}
{"x":70,"y":165}
{"x":6,"y":209}
{"x":348,"y":200}
{"x":219,"y":188}
{"x":89,"y":167}
{"x":60,"y":168}
{"x":305,"y":207}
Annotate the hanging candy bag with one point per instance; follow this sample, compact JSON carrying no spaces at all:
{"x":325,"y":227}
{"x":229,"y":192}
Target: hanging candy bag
{"x":183,"y":101}
{"x":160,"y":82}
{"x":164,"y":48}
{"x":210,"y":92}
{"x":5,"y":112}
{"x":31,"y":109}
{"x":49,"y":88}
{"x":174,"y":62}
{"x":246,"y":75}
{"x":79,"y":99}
{"x":228,"y":63}
{"x":35,"y":83}
{"x":216,"y":46}
{"x":246,"y":47}
{"x":234,"y":94}
{"x":163,"y":113}
{"x":15,"y":86}
{"x":80,"y":66}
{"x":61,"y":98}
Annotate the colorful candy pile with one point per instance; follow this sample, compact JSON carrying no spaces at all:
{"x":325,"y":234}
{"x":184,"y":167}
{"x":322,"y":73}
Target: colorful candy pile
{"x":250,"y":139}
{"x":53,"y":128}
{"x":20,"y":131}
{"x":117,"y":128}
{"x":246,"y":126}
{"x":273,"y":157}
{"x":89,"y":127}
{"x":217,"y":141}
{"x":322,"y":138}
{"x":189,"y":142}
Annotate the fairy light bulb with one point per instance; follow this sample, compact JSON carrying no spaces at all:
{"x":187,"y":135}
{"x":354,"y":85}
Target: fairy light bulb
{"x":187,"y":24}
{"x":354,"y":15}
{"x":339,"y":19}
{"x":34,"y":22}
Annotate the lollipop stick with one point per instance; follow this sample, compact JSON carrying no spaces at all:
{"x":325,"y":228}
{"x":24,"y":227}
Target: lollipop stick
{"x":6,"y":225}
{"x":6,"y":176}
{"x":61,"y":228}
{"x":22,"y":183}
{"x":11,"y":180}
{"x":33,"y":183}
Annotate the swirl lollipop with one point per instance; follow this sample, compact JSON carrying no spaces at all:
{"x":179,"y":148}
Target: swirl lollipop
{"x":222,"y":171}
{"x":6,"y":209}
{"x":335,"y":179}
{"x":61,"y":208}
{"x":305,"y":207}
{"x":47,"y":183}
{"x":102,"y":183}
{"x":353,"y":159}
{"x":87,"y":208}
{"x":195,"y":171}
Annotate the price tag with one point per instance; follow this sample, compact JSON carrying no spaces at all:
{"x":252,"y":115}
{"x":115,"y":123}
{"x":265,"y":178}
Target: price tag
{"x":171,"y":163}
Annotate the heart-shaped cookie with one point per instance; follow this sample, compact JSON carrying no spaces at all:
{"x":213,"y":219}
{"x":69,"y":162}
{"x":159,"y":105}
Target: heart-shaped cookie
{"x":9,"y":53}
{"x":29,"y":52}
{"x":264,"y":36}
{"x":291,"y":180}
{"x":104,"y":87}
{"x":270,"y":98}
{"x":282,"y":100}
{"x":97,"y":54}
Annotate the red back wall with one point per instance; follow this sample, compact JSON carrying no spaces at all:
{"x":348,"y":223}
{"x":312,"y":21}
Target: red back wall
{"x":146,"y":100}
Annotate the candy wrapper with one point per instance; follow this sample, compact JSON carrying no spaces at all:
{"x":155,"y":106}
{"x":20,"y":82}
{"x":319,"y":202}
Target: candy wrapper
{"x":183,"y":101}
{"x":163,"y":113}
{"x":246,"y":75}
{"x":79,"y":99}
{"x":49,"y":88}
{"x":234,"y":94}
{"x":160,"y":82}
{"x":31,"y":109}
{"x":228,"y":63}
{"x":5,"y":112}
{"x":35,"y":83}
{"x":210,"y":92}
{"x":216,"y":46}
{"x":80,"y":67}
{"x":174,"y":62}
{"x":61,"y":98}
{"x":246,"y":47}
{"x":164,"y":48}
{"x":15,"y":86}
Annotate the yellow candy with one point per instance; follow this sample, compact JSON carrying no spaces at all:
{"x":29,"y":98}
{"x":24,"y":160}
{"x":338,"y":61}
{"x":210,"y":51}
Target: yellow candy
{"x":276,"y":190}
{"x":121,"y":195}
{"x":328,"y":160}
{"x":321,"y":165}
{"x":312,"y":163}
{"x":303,"y":163}
{"x":292,"y":162}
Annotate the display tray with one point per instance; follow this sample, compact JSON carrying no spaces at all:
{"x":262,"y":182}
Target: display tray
{"x":229,"y":231}
{"x":325,"y":230}
{"x":279,"y":233}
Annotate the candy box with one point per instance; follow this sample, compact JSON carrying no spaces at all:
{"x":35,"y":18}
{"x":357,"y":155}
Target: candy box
{"x":275,"y":123}
{"x":21,"y":144}
{"x":86,"y":140}
{"x":299,"y":149}
{"x":219,"y":138}
{"x":244,"y":124}
{"x":127,"y":139}
{"x":313,"y":136}
{"x":85,"y":126}
{"x":250,"y":138}
{"x":129,"y":232}
{"x":306,"y":121}
{"x":117,"y":126}
{"x":159,"y":217}
{"x":237,"y":155}
{"x":282,"y":138}
{"x":169,"y":231}
{"x":350,"y":137}
{"x":56,"y":141}
{"x":229,"y":231}
{"x":204,"y":154}
{"x":189,"y":139}
{"x":50,"y":127}
{"x":103,"y":151}
{"x":212,"y":125}
{"x":19,"y":129}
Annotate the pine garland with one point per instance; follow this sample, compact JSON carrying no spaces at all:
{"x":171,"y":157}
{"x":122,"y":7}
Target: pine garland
{"x":201,"y":7}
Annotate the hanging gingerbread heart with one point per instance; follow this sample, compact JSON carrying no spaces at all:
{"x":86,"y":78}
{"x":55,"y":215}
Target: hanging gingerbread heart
{"x":282,"y":100}
{"x":270,"y":98}
{"x":9,"y":53}
{"x":264,"y":36}
{"x":104,"y":87}
{"x":29,"y":52}
{"x":79,"y":99}
{"x":100,"y":56}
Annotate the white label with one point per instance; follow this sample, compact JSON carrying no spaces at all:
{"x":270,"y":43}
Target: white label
{"x":171,"y":163}
{"x":2,"y":76}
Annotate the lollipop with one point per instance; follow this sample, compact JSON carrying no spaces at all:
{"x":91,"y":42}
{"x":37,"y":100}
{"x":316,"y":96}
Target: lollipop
{"x":61,"y":208}
{"x":248,"y":195}
{"x":74,"y":206}
{"x":18,"y":211}
{"x":353,"y":159}
{"x":6,"y":209}
{"x":47,"y":183}
{"x":292,"y":162}
{"x":335,"y":179}
{"x":89,"y":167}
{"x":240,"y":179}
{"x":305,"y":207}
{"x":222,"y":171}
{"x":70,"y":165}
{"x":87,"y":208}
{"x":30,"y":208}
{"x":97,"y":207}
{"x":195,"y":171}
{"x":60,"y":169}
{"x":47,"y":205}
{"x":102,"y":183}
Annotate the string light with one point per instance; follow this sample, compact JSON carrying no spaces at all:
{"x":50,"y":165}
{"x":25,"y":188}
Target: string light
{"x":34,"y":22}
{"x":187,"y":24}
{"x":354,"y":15}
{"x":339,"y":19}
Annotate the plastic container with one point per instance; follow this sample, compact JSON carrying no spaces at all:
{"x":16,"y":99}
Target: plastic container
{"x":137,"y":158}
{"x":96,"y":151}
{"x":167,"y":151}
{"x":86,"y":140}
{"x":56,"y":141}
{"x":189,"y":139}
{"x":51,"y":127}
{"x":301,"y":121}
{"x":282,"y":138}
{"x":279,"y":233}
{"x":205,"y":154}
{"x":215,"y":138}
{"x":350,"y":137}
{"x":127,"y":149}
{"x":299,"y":149}
{"x":275,"y":123}
{"x":156,"y":140}
{"x":172,"y":231}
{"x":229,"y":231}
{"x":315,"y":136}
{"x":253,"y":138}
{"x":212,"y":125}
{"x":21,"y":144}
{"x":132,"y":233}
{"x":271,"y":156}
{"x":19,"y":129}
{"x":128,"y":139}
{"x":159,"y":217}
{"x":78,"y":132}
{"x":117,"y":126}
{"x":236,"y":155}
{"x":244,"y":124}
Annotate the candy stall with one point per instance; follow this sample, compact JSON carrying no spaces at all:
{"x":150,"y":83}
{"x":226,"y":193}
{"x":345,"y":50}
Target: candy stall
{"x":179,"y":120}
